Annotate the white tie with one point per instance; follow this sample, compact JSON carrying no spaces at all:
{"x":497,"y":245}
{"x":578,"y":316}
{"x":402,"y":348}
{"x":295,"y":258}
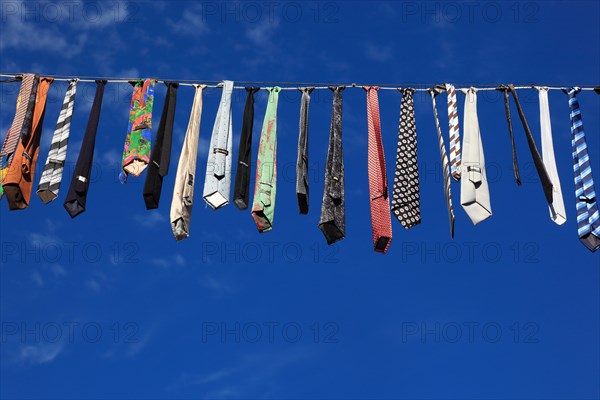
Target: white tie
{"x":183,"y":191}
{"x":474,"y":191}
{"x":557,"y":208}
{"x":217,"y":184}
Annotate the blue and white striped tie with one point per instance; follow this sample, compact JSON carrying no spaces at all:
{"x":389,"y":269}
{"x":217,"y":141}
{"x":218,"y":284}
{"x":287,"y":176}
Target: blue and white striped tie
{"x":588,"y":218}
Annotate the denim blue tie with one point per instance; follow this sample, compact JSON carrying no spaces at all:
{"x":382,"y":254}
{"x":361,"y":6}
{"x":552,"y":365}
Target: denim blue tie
{"x":588,"y":219}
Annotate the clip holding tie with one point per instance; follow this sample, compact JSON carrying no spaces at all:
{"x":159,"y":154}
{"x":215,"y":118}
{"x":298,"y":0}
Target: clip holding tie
{"x":82,"y":178}
{"x":26,"y":155}
{"x":219,"y":150}
{"x":55,"y":161}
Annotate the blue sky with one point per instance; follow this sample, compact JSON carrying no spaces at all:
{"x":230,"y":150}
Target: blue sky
{"x":108,"y":305}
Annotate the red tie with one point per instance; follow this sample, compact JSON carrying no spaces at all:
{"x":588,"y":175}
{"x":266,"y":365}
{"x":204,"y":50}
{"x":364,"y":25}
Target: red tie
{"x":381,"y":220}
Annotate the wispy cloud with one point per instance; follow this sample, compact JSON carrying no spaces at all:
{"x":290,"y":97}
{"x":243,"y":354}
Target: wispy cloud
{"x":42,"y":353}
{"x":163,"y":262}
{"x":250,"y":376}
{"x":149,"y":220}
{"x":378,"y":53}
{"x":191,"y":22}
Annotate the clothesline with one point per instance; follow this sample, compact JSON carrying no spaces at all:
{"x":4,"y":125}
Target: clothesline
{"x":464,"y":163}
{"x":421,"y":87}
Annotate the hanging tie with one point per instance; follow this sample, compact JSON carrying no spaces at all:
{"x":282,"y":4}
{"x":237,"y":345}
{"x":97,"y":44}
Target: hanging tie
{"x":588,"y":218}
{"x":77,"y":196}
{"x":160,"y":157}
{"x":138,"y":143}
{"x":557,"y":207}
{"x":455,"y":157}
{"x":183,"y":191}
{"x":18,"y":182}
{"x":406,"y":197}
{"x":302,"y":160}
{"x":242,"y":174}
{"x":333,"y":214}
{"x":474,"y":191}
{"x":263,"y":206}
{"x":49,"y":184}
{"x":21,"y":124}
{"x":444,"y":156}
{"x":504,"y":90}
{"x":217,"y":183}
{"x":381,"y":221}
{"x":535,"y":154}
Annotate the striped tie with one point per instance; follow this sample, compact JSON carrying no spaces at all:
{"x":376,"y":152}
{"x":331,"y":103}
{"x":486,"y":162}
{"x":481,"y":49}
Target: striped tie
{"x":55,"y":163}
{"x":21,"y":123}
{"x":588,"y":220}
{"x":454,"y":134}
{"x":434,"y":92}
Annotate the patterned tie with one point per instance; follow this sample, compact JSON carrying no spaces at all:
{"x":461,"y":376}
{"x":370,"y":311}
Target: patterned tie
{"x":217,"y":184}
{"x":18,"y":182}
{"x":557,"y":208}
{"x":76,"y":199}
{"x":588,"y":218}
{"x":381,"y":221}
{"x":55,"y":162}
{"x":161,"y":152}
{"x":333,"y":213}
{"x":241,"y":189}
{"x":263,"y":206}
{"x":302,"y":159}
{"x":474,"y":190}
{"x":406,"y":197}
{"x":138,"y":143}
{"x":445,"y":164}
{"x":21,"y":123}
{"x":455,"y":157}
{"x":183,"y":190}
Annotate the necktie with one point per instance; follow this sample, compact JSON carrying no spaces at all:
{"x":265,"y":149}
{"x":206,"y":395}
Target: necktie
{"x":455,"y":157}
{"x":302,"y":160}
{"x":136,"y":152}
{"x":535,"y":154}
{"x":333,"y":215}
{"x":588,"y":218}
{"x":445,"y":165}
{"x":242,"y":174}
{"x":161,"y":152}
{"x":504,"y":90}
{"x":474,"y":191}
{"x":263,"y":206}
{"x":381,"y":221}
{"x":21,"y":123}
{"x":557,"y":207}
{"x":183,"y":191}
{"x":217,"y":184}
{"x":406,"y":198}
{"x":77,"y":196}
{"x":18,"y":182}
{"x":55,"y":162}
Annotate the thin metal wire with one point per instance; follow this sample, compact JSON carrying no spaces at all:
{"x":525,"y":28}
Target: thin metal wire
{"x":421,"y":87}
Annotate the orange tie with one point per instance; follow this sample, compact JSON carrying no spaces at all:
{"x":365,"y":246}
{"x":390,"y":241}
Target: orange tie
{"x":381,"y":220}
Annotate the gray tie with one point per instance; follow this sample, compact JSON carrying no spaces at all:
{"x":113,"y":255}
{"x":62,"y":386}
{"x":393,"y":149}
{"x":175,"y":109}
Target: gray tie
{"x":217,"y":184}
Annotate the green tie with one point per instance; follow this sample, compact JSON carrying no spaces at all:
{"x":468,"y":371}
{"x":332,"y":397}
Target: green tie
{"x":263,"y":206}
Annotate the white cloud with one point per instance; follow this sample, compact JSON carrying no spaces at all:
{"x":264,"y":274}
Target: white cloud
{"x":42,"y":353}
{"x":261,"y":34}
{"x":37,"y":278}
